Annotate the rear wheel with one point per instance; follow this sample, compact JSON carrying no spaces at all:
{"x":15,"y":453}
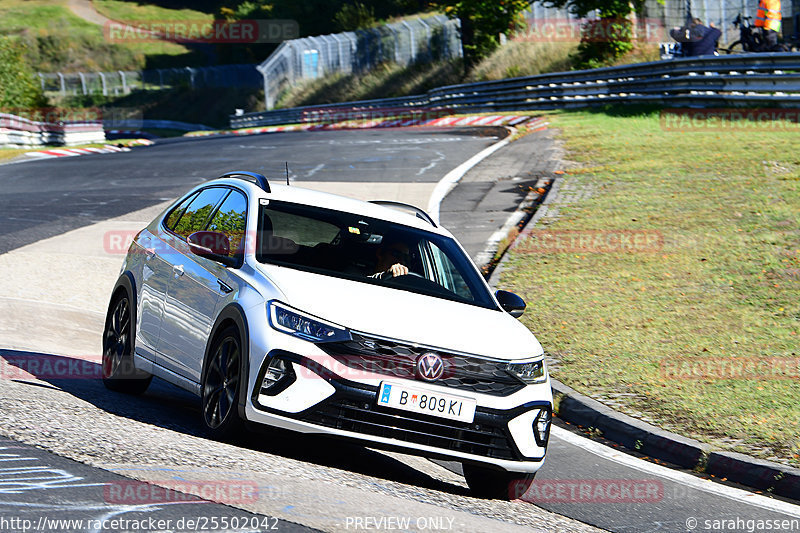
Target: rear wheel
{"x":220,"y":385}
{"x":119,"y":372}
{"x":496,"y":484}
{"x":735,"y":48}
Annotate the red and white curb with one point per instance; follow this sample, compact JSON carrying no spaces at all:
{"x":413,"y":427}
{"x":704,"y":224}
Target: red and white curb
{"x":70,"y":152}
{"x":141,"y":142}
{"x":441,"y":122}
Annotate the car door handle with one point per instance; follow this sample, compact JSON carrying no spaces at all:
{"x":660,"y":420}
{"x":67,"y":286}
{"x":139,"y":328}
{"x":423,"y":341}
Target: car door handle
{"x":149,"y":253}
{"x":177,"y":270}
{"x":224,"y":287}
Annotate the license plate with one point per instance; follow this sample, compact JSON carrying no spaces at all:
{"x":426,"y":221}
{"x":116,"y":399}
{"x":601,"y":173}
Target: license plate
{"x":422,"y":401}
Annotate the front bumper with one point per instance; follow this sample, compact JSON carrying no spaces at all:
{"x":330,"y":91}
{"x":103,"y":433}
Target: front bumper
{"x":320,"y":400}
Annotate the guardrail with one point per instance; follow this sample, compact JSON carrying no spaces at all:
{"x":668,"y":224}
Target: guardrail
{"x":146,"y":123}
{"x":713,"y":81}
{"x":20,"y":131}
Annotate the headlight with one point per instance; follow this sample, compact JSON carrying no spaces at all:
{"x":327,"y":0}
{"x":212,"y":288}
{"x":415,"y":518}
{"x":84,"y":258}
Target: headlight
{"x":530,"y":372}
{"x":294,"y":322}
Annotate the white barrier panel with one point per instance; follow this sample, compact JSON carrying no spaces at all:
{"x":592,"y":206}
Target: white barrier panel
{"x":16,"y":132}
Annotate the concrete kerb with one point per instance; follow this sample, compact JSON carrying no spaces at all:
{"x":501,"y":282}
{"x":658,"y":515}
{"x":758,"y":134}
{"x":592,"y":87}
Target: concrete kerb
{"x":650,"y":440}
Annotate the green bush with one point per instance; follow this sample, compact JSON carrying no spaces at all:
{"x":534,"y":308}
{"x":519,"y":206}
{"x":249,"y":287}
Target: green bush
{"x":603,"y":41}
{"x":18,"y":88}
{"x":353,"y":17}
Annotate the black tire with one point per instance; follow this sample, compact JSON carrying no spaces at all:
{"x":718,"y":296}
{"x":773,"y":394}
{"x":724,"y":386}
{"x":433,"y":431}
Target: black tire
{"x":735,"y":48}
{"x":119,"y":372}
{"x":759,"y":43}
{"x":220,"y":385}
{"x":496,"y":484}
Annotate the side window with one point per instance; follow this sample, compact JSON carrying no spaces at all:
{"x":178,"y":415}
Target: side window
{"x":231,"y":219}
{"x":196,"y":215}
{"x":176,"y":213}
{"x":449,"y":276}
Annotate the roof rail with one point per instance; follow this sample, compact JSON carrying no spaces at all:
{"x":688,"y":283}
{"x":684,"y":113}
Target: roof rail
{"x":419,"y":212}
{"x":261,"y":180}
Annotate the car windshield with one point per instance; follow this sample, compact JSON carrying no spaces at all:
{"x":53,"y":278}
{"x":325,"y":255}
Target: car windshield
{"x":359,"y":248}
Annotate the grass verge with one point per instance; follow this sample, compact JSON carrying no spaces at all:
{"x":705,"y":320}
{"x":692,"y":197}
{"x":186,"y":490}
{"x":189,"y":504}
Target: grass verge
{"x":133,"y":12}
{"x":11,"y":153}
{"x":650,"y":331}
{"x":385,"y":81}
{"x":515,"y":59}
{"x":521,"y":58}
{"x":56,"y":39}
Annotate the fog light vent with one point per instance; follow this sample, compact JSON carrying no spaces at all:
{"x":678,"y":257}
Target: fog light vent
{"x":277,"y":377}
{"x":541,"y":427}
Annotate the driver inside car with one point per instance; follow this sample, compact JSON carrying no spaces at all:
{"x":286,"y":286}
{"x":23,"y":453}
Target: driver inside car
{"x":393,"y":258}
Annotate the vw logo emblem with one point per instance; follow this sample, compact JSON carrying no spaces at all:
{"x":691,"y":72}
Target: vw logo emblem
{"x":430,"y":366}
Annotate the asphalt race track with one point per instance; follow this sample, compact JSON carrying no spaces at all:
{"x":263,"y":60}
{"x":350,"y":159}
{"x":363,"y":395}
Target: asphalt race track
{"x":54,"y":290}
{"x":49,"y":197}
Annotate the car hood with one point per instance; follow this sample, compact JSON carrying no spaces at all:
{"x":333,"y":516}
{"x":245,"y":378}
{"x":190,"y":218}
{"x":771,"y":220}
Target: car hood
{"x":405,"y":316}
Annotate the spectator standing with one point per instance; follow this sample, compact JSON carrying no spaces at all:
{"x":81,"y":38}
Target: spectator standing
{"x":768,"y":18}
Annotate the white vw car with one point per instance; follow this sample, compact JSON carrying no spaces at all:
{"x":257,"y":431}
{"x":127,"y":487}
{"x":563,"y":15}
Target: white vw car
{"x":317,"y":313}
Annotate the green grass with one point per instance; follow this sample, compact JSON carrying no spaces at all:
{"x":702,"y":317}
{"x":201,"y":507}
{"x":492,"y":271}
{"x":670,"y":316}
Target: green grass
{"x":385,"y":81}
{"x":515,"y":59}
{"x":147,"y":12}
{"x":11,"y":153}
{"x":725,"y":284}
{"x":520,"y":58}
{"x":58,"y":40}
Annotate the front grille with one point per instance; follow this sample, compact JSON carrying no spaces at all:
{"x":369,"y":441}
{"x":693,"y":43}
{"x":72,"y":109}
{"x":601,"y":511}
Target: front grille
{"x":482,"y":439}
{"x":395,"y":359}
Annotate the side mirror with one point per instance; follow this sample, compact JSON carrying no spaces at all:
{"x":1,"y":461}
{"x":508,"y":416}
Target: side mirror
{"x":511,"y":303}
{"x":211,"y":245}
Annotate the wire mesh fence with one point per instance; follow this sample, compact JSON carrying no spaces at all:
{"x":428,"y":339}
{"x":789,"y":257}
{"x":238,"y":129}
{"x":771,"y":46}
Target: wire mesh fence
{"x":123,"y":82}
{"x":405,"y":42}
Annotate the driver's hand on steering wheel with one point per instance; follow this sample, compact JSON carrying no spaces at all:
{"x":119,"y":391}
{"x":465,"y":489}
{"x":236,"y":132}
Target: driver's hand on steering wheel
{"x":396,"y":270}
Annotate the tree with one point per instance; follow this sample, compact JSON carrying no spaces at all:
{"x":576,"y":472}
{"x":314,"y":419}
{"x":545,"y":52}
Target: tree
{"x":606,"y":38}
{"x":482,"y":21}
{"x":314,"y":17}
{"x":18,"y":89}
{"x":355,"y":16}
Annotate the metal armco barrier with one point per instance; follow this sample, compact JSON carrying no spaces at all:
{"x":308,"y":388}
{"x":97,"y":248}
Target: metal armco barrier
{"x":20,"y":131}
{"x":715,"y":81}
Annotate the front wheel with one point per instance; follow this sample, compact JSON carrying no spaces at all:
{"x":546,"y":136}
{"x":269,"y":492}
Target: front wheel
{"x":220,"y":386}
{"x":496,"y":484}
{"x":119,"y":372}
